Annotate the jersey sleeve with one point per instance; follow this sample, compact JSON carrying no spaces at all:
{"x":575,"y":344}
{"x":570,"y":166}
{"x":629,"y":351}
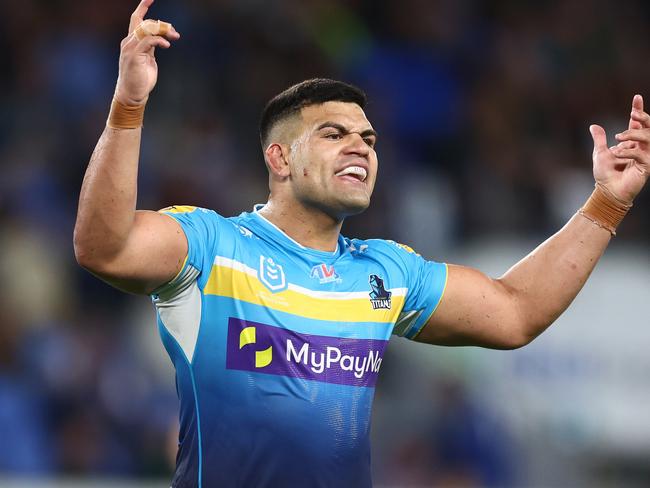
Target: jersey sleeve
{"x":426,"y":281}
{"x":202,"y":228}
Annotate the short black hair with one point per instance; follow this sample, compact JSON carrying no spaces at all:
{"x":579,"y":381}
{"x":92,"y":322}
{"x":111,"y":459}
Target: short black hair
{"x":303,"y":94}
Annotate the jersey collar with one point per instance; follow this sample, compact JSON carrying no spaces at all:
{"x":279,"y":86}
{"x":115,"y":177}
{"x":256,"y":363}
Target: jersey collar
{"x":274,"y":232}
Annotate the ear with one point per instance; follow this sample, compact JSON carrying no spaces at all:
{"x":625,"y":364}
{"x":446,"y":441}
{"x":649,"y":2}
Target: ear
{"x":276,"y":157}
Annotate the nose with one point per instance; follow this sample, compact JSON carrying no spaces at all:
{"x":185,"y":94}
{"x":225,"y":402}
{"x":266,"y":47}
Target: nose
{"x":356,"y":145}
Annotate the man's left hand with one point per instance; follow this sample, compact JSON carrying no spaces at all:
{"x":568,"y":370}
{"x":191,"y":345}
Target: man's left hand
{"x":624,"y":168}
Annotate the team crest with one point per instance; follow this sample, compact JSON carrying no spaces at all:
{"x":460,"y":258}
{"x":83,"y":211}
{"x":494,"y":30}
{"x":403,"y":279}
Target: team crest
{"x":379,"y":296}
{"x":271,"y":274}
{"x":324,"y":273}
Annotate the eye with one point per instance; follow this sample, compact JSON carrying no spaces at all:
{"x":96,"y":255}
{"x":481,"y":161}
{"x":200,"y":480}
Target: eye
{"x":334,"y":136}
{"x":370,"y":141}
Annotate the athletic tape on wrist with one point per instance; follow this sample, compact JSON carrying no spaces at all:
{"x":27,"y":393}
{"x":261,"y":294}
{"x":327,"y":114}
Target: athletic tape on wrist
{"x":604,"y":209}
{"x":125,"y":116}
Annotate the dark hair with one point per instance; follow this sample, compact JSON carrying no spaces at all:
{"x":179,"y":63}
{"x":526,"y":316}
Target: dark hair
{"x":305,"y":93}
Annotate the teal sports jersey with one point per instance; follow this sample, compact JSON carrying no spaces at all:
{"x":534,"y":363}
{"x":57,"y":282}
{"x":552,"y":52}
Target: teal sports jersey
{"x":277,"y":348}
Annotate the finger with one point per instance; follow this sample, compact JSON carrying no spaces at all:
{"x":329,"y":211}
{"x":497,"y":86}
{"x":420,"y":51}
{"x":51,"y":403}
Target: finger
{"x":138,"y":14}
{"x":599,"y":137}
{"x":638,"y":135}
{"x":171,"y":34}
{"x":150,"y":42}
{"x":624,"y":145}
{"x":128,"y":41}
{"x":637,"y":104}
{"x":641,"y":117}
{"x":634,"y":153}
{"x":633,"y":123}
{"x":155,"y":28}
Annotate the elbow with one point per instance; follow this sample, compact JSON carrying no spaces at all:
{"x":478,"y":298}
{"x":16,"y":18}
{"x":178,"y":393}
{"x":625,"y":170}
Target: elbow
{"x":517,"y":341}
{"x":510,"y":343}
{"x":517,"y":330}
{"x":524,"y":333}
{"x":86,"y":252}
{"x":522,"y":320}
{"x":82,"y":250}
{"x":83,"y":260}
{"x":97,"y":252}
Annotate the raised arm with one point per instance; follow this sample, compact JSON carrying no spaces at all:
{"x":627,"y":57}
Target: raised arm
{"x":133,"y":251}
{"x":511,"y":311}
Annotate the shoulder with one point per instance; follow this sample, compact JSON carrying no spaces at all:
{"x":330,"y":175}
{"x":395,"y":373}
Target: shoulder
{"x":393,"y":256}
{"x":188,"y":210}
{"x":381,"y":247}
{"x":206,"y":216}
{"x":207,"y":230}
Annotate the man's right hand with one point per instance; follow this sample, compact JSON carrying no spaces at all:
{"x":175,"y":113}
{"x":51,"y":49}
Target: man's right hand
{"x":138,"y":68}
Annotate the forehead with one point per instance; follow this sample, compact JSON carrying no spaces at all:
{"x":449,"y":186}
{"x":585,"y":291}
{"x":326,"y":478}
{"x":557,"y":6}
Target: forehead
{"x":347,"y":114}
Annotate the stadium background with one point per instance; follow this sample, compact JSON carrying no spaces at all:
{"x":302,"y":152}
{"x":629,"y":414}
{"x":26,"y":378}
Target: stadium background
{"x":482,"y":110}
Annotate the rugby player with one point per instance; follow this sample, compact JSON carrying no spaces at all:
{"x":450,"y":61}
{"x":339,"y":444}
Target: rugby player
{"x":276,"y":324}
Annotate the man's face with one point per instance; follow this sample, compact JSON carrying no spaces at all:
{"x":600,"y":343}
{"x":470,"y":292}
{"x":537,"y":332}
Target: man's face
{"x":333,"y":160}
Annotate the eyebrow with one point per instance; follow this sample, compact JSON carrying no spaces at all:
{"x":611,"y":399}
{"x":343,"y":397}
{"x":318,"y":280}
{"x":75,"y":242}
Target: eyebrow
{"x":344,"y":130}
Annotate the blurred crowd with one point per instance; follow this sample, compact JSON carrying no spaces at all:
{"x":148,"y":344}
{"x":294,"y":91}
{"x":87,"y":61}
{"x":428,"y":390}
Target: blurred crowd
{"x":482,"y":110}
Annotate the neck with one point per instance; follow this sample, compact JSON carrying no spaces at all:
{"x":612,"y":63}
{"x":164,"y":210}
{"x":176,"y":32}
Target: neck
{"x":311,"y":228}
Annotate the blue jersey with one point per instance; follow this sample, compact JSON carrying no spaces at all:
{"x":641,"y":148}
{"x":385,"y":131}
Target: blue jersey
{"x":277,"y":348}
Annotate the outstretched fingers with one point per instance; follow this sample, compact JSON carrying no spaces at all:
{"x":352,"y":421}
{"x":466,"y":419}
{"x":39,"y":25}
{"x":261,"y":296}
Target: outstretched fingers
{"x":637,"y":131}
{"x":138,"y":69}
{"x":142,"y":28}
{"x":138,"y":14}
{"x":634,"y":142}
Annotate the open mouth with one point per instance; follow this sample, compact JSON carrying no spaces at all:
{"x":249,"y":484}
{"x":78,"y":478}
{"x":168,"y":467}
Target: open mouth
{"x":356,"y":173}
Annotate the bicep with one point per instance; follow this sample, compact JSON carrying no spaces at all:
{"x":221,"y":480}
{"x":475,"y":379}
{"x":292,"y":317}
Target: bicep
{"x":154,"y":253}
{"x":475,"y":310}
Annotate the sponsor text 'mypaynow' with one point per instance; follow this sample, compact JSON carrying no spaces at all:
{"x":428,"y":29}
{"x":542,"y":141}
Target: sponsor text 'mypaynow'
{"x":288,"y":353}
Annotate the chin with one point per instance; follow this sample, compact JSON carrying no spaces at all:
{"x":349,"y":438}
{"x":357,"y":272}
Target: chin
{"x":353,"y":207}
{"x":338,"y":209}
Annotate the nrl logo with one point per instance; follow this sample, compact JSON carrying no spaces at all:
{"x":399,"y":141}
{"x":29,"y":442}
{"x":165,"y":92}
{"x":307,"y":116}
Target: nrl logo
{"x":271,"y":275}
{"x":379,"y":297}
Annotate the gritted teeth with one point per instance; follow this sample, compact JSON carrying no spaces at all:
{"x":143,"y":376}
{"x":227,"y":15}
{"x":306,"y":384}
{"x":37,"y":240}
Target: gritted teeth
{"x":354,"y":170}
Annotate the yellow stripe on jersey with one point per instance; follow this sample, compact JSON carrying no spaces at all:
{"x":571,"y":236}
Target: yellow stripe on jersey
{"x":232,"y":283}
{"x":177,"y":209}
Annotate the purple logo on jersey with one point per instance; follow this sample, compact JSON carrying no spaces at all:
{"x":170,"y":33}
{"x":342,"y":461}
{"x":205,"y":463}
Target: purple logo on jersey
{"x":262,"y":348}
